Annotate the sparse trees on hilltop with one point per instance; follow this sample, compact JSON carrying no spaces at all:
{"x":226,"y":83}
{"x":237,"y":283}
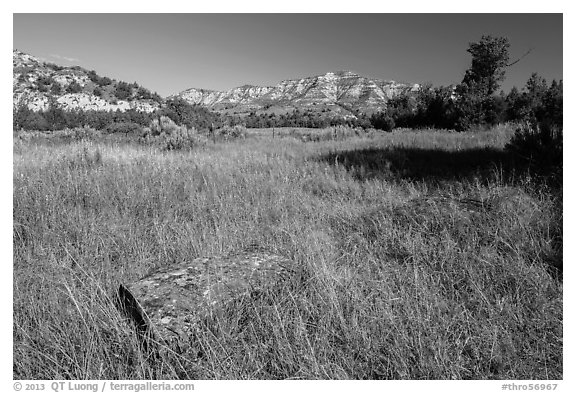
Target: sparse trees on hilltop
{"x":123,"y":91}
{"x":73,"y":87}
{"x":143,"y":94}
{"x":104,"y":81}
{"x":93,"y":76}
{"x":56,"y":89}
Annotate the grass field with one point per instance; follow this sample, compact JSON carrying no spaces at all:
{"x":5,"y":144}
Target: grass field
{"x":420,"y":255}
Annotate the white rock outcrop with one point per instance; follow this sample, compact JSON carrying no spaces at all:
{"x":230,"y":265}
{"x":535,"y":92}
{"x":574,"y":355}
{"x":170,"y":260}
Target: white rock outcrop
{"x":342,"y":88}
{"x":28,"y":89}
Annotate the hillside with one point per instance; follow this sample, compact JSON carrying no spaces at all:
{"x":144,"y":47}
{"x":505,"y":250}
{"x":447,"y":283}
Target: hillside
{"x":339,"y":92}
{"x":334,"y":95}
{"x":36,"y":83}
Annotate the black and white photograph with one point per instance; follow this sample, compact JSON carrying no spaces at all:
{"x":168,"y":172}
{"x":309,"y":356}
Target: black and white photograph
{"x":287,"y":196}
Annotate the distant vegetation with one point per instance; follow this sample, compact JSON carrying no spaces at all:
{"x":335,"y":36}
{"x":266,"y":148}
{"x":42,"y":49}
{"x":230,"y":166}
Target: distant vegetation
{"x":472,"y":104}
{"x":55,"y":118}
{"x":305,"y":118}
{"x":444,"y":107}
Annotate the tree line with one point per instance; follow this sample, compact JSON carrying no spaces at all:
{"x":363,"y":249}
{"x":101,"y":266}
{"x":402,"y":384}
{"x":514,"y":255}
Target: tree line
{"x":474,"y":102}
{"x":298,"y":118}
{"x":56,"y":118}
{"x":445,"y":107}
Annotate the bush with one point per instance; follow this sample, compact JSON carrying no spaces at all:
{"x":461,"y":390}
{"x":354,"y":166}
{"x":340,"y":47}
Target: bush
{"x":74,"y":87}
{"x":34,"y":121}
{"x":56,"y":89}
{"x":85,"y":133}
{"x":127,"y":128}
{"x":192,"y":116}
{"x":54,"y":67}
{"x":143,"y":94}
{"x":539,"y":146}
{"x":382,"y":121}
{"x":93,"y":76}
{"x":228,"y":132}
{"x":105,"y":81}
{"x":55,"y":116}
{"x":123,"y":91}
{"x":44,"y":80}
{"x":167,"y":135}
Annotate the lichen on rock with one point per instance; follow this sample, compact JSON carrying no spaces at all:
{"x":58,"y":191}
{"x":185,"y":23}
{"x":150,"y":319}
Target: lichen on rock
{"x":167,"y":303}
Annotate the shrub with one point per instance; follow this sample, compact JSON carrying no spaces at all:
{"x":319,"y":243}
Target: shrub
{"x":54,"y":67}
{"x":104,"y":81}
{"x":93,"y":76}
{"x":229,"y":132}
{"x":143,"y":94}
{"x":34,"y":121}
{"x":74,"y":87}
{"x":56,"y":89}
{"x":127,"y":128}
{"x":181,"y":112}
{"x":85,"y":133}
{"x":123,"y":91}
{"x":167,"y":135}
{"x":55,"y":116}
{"x":539,"y":146}
{"x":382,"y":121}
{"x":44,"y":80}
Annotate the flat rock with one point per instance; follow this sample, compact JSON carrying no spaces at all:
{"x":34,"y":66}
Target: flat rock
{"x":167,"y":303}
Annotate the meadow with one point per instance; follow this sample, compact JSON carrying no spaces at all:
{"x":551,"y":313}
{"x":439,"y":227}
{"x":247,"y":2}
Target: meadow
{"x":417,"y":255}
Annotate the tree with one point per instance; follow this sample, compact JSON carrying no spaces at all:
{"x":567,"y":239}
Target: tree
{"x":123,"y":91}
{"x":35,"y":121}
{"x":514,"y":105}
{"x":536,"y":88}
{"x":401,"y":108}
{"x":475,"y":103}
{"x":56,"y":89}
{"x":489,"y":60}
{"x":55,"y":116}
{"x":182,"y":113}
{"x":45,"y":80}
{"x":74,"y":87}
{"x":440,"y":108}
{"x":552,"y":104}
{"x":19,"y":116}
{"x":104,"y":81}
{"x":143,"y":94}
{"x":382,"y":121}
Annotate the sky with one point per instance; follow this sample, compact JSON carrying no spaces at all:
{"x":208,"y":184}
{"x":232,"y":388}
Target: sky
{"x":168,"y":53}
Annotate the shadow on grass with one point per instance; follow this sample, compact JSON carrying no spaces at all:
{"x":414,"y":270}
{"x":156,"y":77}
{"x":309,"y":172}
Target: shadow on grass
{"x":485,"y":165}
{"x":436,"y":165}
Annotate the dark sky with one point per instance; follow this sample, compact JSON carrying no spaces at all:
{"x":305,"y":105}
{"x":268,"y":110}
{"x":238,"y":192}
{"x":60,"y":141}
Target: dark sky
{"x":171,"y":52}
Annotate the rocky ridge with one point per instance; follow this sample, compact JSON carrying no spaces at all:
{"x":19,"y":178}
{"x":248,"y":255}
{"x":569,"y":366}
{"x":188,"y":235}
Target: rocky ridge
{"x":36,"y":83}
{"x":340,"y":91}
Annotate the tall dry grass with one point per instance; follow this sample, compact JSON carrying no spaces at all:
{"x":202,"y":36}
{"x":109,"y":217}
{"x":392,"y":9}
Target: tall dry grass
{"x":399,"y":276}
